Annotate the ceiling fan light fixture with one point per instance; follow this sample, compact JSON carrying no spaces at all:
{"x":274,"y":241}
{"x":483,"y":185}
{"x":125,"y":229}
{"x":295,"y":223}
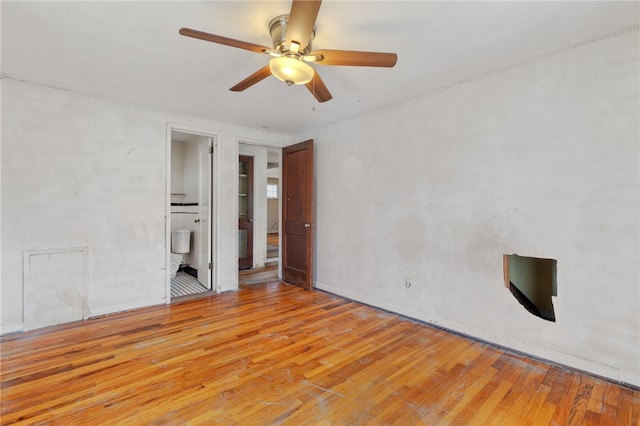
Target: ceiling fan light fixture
{"x":291,"y":70}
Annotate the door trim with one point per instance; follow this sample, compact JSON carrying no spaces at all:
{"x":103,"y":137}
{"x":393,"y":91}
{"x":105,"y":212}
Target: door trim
{"x":215,"y":205}
{"x":246,"y":146}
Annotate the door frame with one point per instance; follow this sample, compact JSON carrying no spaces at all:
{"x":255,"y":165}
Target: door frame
{"x":269,"y":146}
{"x":214,"y":211}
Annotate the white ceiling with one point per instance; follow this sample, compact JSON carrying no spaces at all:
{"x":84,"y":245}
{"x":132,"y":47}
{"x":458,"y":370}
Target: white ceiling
{"x":132,"y":51}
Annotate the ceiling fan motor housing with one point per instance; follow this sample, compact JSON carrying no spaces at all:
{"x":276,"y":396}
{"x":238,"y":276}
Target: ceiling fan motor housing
{"x":278,"y":30}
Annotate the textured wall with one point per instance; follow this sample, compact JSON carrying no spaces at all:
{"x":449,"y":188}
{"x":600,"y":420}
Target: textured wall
{"x":540,"y":160}
{"x":85,"y":171}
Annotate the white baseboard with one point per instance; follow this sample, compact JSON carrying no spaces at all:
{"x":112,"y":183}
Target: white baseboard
{"x":534,"y":351}
{"x":96,"y":312}
{"x":10,"y":328}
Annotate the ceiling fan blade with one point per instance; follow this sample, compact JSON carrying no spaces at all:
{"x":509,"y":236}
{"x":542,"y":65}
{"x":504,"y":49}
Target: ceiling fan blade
{"x":354,"y":58}
{"x":254,"y":78}
{"x":302,"y":18}
{"x":223,"y":40}
{"x":318,"y":89}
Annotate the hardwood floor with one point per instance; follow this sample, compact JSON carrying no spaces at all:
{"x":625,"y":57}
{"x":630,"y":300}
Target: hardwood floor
{"x":258,"y":276}
{"x":273,"y":243}
{"x":276,"y":354}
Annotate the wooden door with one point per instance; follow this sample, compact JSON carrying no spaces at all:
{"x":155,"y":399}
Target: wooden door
{"x":245,"y":213}
{"x":297,"y":214}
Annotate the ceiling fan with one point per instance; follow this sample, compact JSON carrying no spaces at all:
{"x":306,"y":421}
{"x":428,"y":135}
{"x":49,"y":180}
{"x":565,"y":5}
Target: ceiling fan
{"x":291,"y":53}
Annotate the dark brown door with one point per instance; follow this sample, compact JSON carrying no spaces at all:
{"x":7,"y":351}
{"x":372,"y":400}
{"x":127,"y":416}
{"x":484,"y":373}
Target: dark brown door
{"x":297,"y":214}
{"x":245,"y":213}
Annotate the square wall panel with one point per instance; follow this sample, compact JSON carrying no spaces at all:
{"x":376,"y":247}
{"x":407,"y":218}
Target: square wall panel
{"x":54,"y":283}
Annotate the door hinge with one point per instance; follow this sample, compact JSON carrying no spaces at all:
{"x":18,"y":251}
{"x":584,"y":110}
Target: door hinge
{"x":210,"y":265}
{"x":210,"y":150}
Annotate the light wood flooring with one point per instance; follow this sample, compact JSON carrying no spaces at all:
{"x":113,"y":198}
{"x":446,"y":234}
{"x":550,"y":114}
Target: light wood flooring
{"x":258,"y":276}
{"x":276,"y":354}
{"x":273,"y":243}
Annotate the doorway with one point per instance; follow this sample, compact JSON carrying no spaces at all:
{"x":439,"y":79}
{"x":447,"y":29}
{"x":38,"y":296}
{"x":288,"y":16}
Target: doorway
{"x":262,"y":162}
{"x":191,"y":230}
{"x":245,"y":212}
{"x":273,"y":207}
{"x":284,"y":177}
